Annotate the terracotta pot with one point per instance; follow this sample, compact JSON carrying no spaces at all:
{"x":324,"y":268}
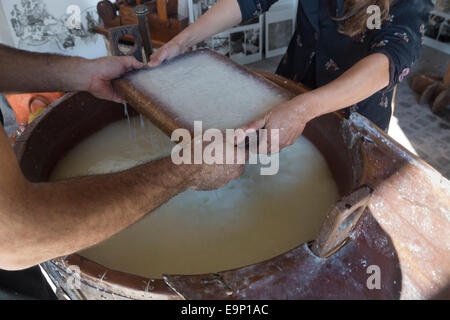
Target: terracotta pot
{"x":30,"y":103}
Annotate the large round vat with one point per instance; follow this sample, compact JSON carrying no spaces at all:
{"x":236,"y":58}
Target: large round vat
{"x":391,"y":235}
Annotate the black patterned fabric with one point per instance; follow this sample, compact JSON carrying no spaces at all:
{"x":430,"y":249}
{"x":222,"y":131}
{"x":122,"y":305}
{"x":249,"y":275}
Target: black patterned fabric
{"x":318,"y":53}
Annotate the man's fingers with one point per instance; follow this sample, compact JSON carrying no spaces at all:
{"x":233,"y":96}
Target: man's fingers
{"x":118,"y":99}
{"x":131,"y":63}
{"x":236,"y":174}
{"x":137,"y":64}
{"x":108,"y":93}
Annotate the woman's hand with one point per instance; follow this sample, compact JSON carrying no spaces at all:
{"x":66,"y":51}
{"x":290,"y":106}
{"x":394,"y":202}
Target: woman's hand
{"x":222,"y":16}
{"x":361,"y":81}
{"x":290,"y":118}
{"x":166,"y":52}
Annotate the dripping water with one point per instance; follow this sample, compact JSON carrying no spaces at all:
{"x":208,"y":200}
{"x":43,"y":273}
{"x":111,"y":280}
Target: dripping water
{"x":142,"y":121}
{"x":125,"y":109}
{"x":134,"y":130}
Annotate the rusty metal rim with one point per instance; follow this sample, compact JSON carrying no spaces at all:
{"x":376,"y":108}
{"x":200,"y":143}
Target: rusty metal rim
{"x":121,"y":283}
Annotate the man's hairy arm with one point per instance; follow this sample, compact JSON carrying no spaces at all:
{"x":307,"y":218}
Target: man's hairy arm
{"x":40,"y":221}
{"x":24,"y":72}
{"x":45,"y":220}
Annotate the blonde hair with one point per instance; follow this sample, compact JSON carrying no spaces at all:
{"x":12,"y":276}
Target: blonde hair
{"x":354,"y":19}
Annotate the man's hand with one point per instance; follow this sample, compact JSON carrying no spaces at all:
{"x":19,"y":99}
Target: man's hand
{"x":215,"y":176}
{"x":101,"y":71}
{"x":23,"y":71}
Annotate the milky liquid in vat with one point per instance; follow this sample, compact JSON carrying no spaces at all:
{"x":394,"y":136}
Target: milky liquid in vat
{"x":252,"y":219}
{"x":202,"y":87}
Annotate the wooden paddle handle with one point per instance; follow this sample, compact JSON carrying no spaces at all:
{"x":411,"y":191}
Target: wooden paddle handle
{"x":126,"y":32}
{"x":340,"y":222}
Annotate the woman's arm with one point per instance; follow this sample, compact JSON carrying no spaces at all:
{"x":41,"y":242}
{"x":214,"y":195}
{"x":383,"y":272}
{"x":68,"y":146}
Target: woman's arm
{"x":393,"y":50}
{"x":365,"y":78}
{"x":222,"y":16}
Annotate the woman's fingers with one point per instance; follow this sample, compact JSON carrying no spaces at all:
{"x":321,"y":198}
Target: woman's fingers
{"x":252,"y":126}
{"x":257,"y":124}
{"x":265,"y":139}
{"x":166,"y":52}
{"x":158,"y":57}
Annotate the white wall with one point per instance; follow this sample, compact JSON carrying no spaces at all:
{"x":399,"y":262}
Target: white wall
{"x":5,"y":35}
{"x":183,"y":8}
